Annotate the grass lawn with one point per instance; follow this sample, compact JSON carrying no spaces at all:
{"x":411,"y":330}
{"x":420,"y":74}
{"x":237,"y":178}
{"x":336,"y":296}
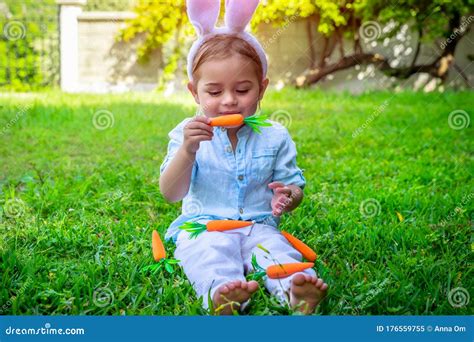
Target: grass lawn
{"x":388,"y":206}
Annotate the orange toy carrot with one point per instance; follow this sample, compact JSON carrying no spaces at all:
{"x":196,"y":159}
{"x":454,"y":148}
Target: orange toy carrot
{"x":300,"y":246}
{"x":213,"y":226}
{"x":285,"y":270}
{"x":157,"y":246}
{"x":277,"y":270}
{"x":232,"y":120}
{"x":159,"y":254}
{"x":227,"y":120}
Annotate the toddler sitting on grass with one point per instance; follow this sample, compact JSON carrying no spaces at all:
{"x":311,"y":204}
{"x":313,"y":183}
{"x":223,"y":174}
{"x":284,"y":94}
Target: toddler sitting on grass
{"x":233,"y":173}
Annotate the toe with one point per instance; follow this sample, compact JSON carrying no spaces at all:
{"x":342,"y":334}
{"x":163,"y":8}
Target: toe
{"x":243,"y":286}
{"x":319,"y":282}
{"x":237,"y":284}
{"x":231,"y":286}
{"x":252,"y":286}
{"x":324,"y":287}
{"x":307,"y":277}
{"x":224,"y":289}
{"x":299,"y":279}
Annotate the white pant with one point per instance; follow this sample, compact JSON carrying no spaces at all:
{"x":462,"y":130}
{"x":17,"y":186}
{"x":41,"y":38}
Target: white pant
{"x":215,"y":258}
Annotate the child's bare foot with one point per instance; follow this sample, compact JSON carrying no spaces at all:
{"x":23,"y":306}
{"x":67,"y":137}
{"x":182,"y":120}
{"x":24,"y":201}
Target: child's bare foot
{"x":230,"y":295}
{"x":306,"y":292}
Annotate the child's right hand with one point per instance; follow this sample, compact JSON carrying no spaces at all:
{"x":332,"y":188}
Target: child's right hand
{"x":195,"y":131}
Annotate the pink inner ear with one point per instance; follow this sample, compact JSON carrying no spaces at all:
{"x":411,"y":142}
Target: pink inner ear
{"x":203,"y":14}
{"x":239,"y":12}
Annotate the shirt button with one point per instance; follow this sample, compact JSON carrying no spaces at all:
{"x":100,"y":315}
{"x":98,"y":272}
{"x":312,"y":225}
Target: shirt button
{"x":222,"y":129}
{"x":228,"y":149}
{"x":241,"y":177}
{"x":241,"y":210}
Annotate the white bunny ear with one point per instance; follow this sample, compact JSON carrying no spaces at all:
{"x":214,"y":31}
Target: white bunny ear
{"x":238,"y":13}
{"x":203,"y":14}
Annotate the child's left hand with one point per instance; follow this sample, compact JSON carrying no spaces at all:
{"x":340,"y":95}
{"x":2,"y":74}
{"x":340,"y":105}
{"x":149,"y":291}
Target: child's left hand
{"x":281,"y":198}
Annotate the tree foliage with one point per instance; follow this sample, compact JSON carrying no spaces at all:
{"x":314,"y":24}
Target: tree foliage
{"x":162,"y":22}
{"x":29,"y":52}
{"x":332,"y":14}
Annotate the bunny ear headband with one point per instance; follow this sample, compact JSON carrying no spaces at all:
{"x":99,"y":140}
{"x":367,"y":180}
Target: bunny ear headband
{"x":203,"y":16}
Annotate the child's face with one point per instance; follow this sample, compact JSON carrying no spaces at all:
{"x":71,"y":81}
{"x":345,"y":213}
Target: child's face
{"x":226,"y":86}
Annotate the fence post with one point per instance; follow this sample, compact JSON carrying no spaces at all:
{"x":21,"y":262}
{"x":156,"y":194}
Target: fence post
{"x":69,"y":43}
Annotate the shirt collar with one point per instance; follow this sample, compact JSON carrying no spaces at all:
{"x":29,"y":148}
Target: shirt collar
{"x":242,"y":132}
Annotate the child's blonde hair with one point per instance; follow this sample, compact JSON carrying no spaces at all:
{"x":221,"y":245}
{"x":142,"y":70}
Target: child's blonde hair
{"x":224,"y":46}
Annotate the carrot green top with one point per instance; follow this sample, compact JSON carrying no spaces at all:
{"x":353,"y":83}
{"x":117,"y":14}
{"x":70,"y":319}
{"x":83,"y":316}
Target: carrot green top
{"x":254,"y":121}
{"x":196,"y":228}
{"x":257,"y":121}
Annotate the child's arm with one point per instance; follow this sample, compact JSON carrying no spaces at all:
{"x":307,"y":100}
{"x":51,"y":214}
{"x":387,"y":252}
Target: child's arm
{"x":176,"y":178}
{"x":285,"y":198}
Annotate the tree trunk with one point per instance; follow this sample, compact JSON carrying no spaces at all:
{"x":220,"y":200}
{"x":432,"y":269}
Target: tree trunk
{"x":322,"y":59}
{"x":340,"y":41}
{"x":355,"y":29}
{"x":309,"y":35}
{"x":438,"y":68}
{"x":344,"y":63}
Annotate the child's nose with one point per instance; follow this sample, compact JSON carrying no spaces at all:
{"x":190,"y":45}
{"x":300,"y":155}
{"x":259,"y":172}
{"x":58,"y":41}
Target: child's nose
{"x":229,"y":99}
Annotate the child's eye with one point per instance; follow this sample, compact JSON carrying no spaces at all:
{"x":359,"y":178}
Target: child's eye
{"x":214,"y":93}
{"x":243,"y":91}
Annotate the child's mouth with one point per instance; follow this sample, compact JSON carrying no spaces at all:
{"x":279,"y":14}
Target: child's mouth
{"x":229,"y":113}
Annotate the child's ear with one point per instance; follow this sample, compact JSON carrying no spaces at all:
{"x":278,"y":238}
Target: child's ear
{"x":193,"y":91}
{"x":263,"y":88}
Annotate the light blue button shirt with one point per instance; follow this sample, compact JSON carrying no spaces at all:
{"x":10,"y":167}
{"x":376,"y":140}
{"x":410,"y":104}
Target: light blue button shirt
{"x":227,"y":184}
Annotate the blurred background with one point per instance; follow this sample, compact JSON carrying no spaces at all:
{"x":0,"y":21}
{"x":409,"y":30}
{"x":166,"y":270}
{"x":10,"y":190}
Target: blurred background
{"x":122,"y":45}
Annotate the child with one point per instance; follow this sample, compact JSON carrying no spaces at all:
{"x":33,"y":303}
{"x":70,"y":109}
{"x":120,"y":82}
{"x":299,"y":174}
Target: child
{"x":233,"y":173}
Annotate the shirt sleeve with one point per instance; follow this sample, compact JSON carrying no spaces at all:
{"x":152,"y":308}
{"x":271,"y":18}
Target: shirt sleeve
{"x":176,"y":140}
{"x":286,"y":170}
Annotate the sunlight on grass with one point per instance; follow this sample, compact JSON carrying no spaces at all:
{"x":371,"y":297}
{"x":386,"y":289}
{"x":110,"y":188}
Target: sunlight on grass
{"x":388,"y":205}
